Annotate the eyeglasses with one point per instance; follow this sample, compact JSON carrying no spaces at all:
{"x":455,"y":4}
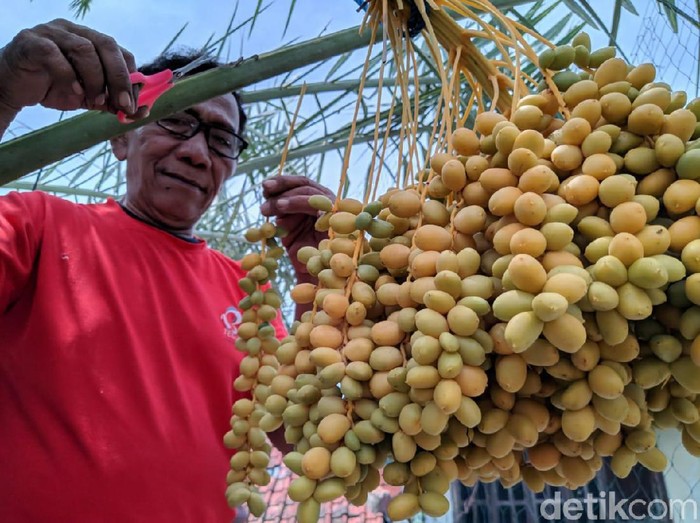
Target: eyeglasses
{"x":223,"y":142}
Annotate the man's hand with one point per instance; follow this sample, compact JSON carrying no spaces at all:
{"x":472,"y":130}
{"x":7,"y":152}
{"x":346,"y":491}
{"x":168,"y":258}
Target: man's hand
{"x":287,"y":199}
{"x":62,"y":65}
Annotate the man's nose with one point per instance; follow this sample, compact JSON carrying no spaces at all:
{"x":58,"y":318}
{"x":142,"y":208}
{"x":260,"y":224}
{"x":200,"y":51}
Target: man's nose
{"x":195,"y":150}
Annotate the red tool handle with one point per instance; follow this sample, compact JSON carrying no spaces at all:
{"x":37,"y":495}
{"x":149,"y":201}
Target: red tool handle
{"x":152,"y":86}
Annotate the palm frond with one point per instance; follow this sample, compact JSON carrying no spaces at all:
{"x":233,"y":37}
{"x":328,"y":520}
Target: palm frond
{"x":80,"y":7}
{"x":289,"y":16}
{"x":616,"y":21}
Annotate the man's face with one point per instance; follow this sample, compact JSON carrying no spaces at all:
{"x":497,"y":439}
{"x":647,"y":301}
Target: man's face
{"x":173,"y":180}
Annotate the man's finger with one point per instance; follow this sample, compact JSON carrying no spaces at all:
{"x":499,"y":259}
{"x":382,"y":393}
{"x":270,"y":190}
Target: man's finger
{"x":83,"y":57}
{"x":271,"y":207}
{"x":65,"y":91}
{"x":293,"y":204}
{"x":117,"y":64}
{"x":280,"y":184}
{"x":266,"y":208}
{"x":117,"y":71}
{"x":304,"y":190}
{"x":56,"y":65}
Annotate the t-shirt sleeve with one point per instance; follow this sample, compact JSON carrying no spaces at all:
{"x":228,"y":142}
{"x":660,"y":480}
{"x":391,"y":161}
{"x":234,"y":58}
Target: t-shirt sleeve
{"x":22,"y":218}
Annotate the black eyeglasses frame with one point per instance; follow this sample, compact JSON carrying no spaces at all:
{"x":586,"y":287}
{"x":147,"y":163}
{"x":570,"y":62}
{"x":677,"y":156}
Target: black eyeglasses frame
{"x":206,"y":128}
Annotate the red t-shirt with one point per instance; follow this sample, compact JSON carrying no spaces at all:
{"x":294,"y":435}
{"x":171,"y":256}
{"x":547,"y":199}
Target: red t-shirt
{"x":117,"y":359}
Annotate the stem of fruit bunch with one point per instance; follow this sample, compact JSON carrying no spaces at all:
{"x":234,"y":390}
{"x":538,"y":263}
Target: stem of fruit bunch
{"x":378,"y":114}
{"x":431,"y":142}
{"x":433,"y":42}
{"x":353,"y":127}
{"x":290,"y":134}
{"x":372,"y":185}
{"x":288,"y":141}
{"x":470,"y":104}
{"x":496,"y":92}
{"x":449,"y":109}
{"x":396,"y":37}
{"x":397,"y":44}
{"x":412,"y":65}
{"x":414,"y":161}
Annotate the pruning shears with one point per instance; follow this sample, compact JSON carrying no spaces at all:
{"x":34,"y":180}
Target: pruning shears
{"x":149,"y":88}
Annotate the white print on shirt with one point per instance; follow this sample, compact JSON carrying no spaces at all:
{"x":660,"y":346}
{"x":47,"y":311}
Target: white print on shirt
{"x":232,"y":319}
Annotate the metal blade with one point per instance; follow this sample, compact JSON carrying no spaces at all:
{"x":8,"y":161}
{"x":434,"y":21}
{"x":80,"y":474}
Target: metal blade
{"x":181,"y":71}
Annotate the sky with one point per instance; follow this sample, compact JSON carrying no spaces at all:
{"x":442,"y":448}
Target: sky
{"x":145,"y":27}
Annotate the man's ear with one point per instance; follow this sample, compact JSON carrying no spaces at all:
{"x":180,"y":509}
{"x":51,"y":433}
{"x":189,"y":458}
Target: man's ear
{"x":120,"y":146}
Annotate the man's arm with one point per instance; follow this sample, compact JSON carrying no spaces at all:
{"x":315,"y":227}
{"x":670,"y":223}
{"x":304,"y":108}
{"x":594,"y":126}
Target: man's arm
{"x":65,"y":66}
{"x":7,"y":115}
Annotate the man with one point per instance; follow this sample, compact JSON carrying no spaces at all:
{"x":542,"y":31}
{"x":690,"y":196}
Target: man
{"x":117,"y":324}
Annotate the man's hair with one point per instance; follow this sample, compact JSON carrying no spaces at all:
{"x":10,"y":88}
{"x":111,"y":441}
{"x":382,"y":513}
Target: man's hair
{"x":176,"y":59}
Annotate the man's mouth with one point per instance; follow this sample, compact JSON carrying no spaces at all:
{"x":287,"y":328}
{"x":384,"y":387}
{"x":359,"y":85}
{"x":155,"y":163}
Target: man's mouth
{"x":184,"y":180}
